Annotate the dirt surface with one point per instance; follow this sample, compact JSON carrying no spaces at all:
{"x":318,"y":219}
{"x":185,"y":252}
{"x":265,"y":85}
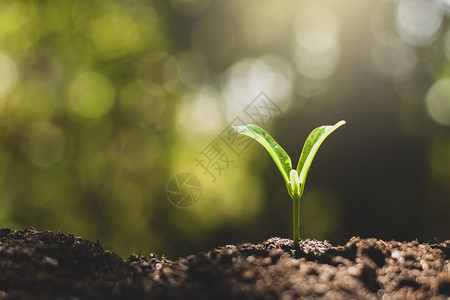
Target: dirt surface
{"x":46,"y":265}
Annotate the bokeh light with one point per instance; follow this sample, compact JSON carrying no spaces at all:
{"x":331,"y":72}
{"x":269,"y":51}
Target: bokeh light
{"x":200,"y":115}
{"x":418,"y":21}
{"x":438,"y":101}
{"x":270,"y":73}
{"x":8,"y":76}
{"x":317,"y":45}
{"x":114,"y":35}
{"x":91,"y":95}
{"x":19,"y":26}
{"x":444,"y":4}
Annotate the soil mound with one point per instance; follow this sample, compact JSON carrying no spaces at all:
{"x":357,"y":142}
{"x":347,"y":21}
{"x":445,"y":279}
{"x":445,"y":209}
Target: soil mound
{"x":46,"y":265}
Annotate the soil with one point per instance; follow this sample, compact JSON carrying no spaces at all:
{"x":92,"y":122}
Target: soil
{"x":46,"y":265}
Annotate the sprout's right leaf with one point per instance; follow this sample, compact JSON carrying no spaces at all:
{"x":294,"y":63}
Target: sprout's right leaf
{"x":312,"y":144}
{"x":278,"y":154}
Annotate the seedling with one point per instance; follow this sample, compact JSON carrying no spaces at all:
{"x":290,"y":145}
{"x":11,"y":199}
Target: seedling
{"x":295,"y":179}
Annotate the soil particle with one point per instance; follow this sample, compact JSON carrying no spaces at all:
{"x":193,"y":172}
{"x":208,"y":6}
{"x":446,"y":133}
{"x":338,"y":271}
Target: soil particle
{"x":46,"y":265}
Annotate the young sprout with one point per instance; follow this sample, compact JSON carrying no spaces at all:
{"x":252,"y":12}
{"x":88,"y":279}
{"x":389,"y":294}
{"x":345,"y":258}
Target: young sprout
{"x":295,"y":178}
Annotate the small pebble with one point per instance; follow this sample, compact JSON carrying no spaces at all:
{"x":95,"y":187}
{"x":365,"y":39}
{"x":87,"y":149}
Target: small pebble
{"x":248,"y":275}
{"x":396,"y":254}
{"x":51,"y":261}
{"x":251,"y":259}
{"x":354,"y":271}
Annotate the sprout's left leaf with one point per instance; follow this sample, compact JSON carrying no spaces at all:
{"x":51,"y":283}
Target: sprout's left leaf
{"x":278,"y":154}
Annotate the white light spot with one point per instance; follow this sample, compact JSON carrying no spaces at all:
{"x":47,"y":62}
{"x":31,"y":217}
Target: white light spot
{"x":418,"y":21}
{"x":444,"y":4}
{"x":438,"y":101}
{"x":8,"y":76}
{"x":246,"y":79}
{"x":200,"y":115}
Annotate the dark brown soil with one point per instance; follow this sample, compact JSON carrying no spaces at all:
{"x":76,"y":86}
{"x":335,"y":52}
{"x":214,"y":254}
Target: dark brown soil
{"x":46,"y":265}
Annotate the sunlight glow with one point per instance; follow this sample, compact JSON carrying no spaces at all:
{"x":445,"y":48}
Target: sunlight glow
{"x":317,"y":48}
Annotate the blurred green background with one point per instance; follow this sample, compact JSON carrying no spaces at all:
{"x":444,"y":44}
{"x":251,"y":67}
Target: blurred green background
{"x":103,"y":102}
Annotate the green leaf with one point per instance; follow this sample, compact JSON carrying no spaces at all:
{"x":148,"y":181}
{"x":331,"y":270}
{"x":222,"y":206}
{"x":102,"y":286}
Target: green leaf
{"x":282,"y":160}
{"x":312,"y":144}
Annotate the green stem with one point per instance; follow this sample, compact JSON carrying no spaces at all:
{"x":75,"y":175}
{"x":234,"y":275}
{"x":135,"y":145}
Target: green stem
{"x":296,"y":219}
